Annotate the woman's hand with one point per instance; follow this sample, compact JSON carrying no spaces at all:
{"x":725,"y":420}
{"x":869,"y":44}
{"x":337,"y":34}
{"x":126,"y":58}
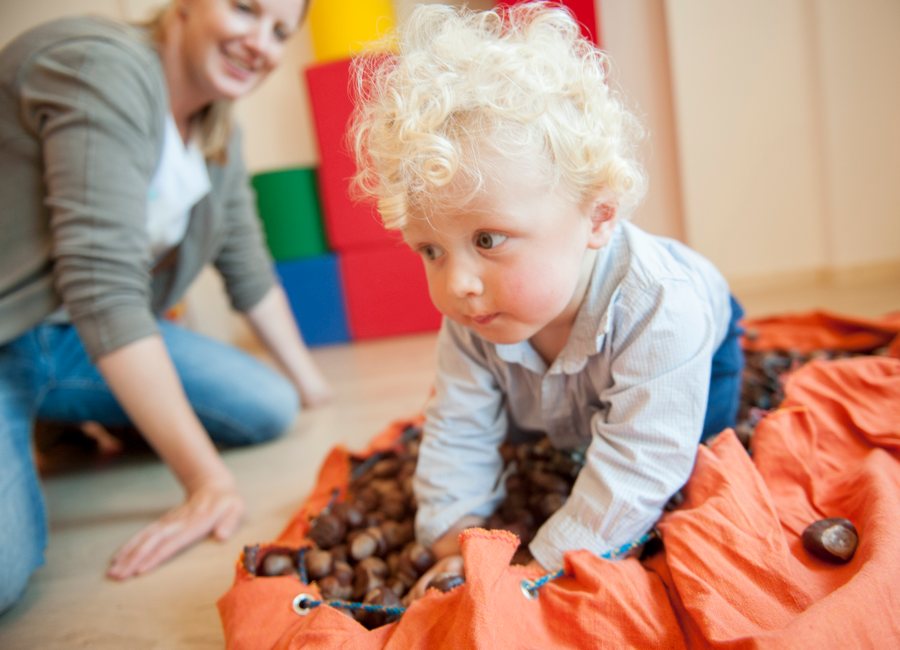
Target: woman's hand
{"x":143,"y":378}
{"x":449,"y":564}
{"x":211,"y":509}
{"x":313,"y":388}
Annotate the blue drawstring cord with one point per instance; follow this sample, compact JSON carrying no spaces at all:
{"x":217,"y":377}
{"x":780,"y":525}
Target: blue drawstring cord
{"x":304,"y":603}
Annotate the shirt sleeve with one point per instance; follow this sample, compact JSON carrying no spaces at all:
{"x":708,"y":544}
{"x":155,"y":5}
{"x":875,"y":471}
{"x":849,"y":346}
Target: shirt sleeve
{"x":244,"y":260}
{"x":465,"y":423}
{"x":644,"y":443}
{"x":91,"y":103}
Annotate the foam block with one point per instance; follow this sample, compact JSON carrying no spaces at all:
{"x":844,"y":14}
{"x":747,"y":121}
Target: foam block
{"x":341,"y":29}
{"x":386,"y":293}
{"x":314,"y":289}
{"x":288,"y":204}
{"x":585,"y":12}
{"x":348,"y":224}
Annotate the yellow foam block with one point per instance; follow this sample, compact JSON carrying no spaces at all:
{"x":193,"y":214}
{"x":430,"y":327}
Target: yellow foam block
{"x":341,"y":29}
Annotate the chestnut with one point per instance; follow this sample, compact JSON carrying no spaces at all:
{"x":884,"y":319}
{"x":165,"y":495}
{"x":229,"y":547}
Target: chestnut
{"x":319,"y":563}
{"x":350,"y":513}
{"x":834,"y":539}
{"x":383,"y":596}
{"x":277,"y":563}
{"x":327,"y":530}
{"x":332,"y":589}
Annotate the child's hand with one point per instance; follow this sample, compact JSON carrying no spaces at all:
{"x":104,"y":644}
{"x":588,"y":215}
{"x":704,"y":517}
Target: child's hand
{"x":449,"y":564}
{"x":210,"y":509}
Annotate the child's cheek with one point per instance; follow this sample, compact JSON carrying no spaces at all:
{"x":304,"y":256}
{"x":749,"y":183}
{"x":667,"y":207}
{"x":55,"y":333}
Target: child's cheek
{"x":532,"y":291}
{"x":438,"y":293}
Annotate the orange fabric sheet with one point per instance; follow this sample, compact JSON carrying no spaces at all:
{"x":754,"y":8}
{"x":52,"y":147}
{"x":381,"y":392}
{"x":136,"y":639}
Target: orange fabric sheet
{"x":823,"y":330}
{"x":733,"y":572}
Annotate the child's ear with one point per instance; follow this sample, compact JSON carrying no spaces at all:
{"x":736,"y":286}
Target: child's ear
{"x":603,"y":217}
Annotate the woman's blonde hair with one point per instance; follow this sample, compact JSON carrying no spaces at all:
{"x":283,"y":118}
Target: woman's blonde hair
{"x":521,"y":80}
{"x":214,"y":124}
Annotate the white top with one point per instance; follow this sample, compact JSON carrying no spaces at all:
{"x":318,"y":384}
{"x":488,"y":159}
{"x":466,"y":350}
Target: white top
{"x":629,"y":387}
{"x":181,"y":180}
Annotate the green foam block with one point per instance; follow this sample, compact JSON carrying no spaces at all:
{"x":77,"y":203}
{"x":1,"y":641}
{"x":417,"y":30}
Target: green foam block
{"x":288,"y":204}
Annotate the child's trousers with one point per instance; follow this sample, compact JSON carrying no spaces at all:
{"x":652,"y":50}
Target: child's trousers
{"x":725,"y":379}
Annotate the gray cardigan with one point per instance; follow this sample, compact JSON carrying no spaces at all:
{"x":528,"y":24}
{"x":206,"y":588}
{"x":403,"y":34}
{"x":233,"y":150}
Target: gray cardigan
{"x":83,"y":103}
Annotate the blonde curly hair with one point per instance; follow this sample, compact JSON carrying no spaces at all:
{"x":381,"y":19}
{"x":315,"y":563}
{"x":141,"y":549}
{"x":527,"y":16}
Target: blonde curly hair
{"x":519,"y":79}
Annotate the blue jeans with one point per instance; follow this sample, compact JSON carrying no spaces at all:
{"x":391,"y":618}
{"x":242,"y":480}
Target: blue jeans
{"x":46,"y":374}
{"x":725,"y":378}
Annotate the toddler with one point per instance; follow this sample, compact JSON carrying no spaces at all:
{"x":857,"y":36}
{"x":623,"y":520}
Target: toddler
{"x":494,"y":143}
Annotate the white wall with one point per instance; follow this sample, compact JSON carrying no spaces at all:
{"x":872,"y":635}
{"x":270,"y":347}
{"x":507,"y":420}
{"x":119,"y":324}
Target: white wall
{"x":788,"y":136}
{"x":748,"y":132}
{"x":634,"y":36}
{"x":859,"y":54}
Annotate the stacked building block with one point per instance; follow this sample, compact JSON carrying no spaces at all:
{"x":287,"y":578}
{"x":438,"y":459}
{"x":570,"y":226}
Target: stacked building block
{"x":288,"y":204}
{"x":341,"y":29}
{"x":585,"y":12}
{"x":314,"y":288}
{"x":384,"y":283}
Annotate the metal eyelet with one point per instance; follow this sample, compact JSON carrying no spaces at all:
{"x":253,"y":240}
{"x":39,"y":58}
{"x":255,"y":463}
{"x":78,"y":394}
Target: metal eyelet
{"x":301,"y":604}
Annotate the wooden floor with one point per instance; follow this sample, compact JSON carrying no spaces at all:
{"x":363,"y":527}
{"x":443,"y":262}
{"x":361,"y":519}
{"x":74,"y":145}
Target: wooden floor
{"x":93,"y":509}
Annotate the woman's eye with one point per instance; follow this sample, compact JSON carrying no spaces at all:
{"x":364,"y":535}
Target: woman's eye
{"x":282,"y":33}
{"x":244,"y":7}
{"x":488,"y":240}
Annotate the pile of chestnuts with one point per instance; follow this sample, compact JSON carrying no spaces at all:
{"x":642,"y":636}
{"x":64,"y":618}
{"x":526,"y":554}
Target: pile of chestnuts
{"x":363,"y":548}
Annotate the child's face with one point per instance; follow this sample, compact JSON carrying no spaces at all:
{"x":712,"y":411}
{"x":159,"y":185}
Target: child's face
{"x":514,"y":262}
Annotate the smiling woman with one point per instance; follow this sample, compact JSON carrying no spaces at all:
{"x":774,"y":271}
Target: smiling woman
{"x":123,"y":179}
{"x":215,"y":51}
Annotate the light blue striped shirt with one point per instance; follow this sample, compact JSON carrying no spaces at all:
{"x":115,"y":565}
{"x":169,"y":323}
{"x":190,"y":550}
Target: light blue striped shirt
{"x":629,"y":387}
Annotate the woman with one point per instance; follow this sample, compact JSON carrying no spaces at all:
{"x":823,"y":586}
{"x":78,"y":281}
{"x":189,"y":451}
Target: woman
{"x":122,"y":178}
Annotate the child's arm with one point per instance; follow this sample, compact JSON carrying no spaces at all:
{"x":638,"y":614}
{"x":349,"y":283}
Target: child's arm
{"x":459,"y":461}
{"x":644,"y":443}
{"x":449,"y":560}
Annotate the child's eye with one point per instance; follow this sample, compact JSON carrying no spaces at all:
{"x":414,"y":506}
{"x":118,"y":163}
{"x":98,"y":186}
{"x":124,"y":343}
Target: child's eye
{"x":430,"y":252}
{"x":488,"y":240}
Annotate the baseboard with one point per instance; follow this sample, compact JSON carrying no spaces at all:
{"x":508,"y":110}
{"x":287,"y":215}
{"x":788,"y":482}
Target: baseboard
{"x":846,"y":277}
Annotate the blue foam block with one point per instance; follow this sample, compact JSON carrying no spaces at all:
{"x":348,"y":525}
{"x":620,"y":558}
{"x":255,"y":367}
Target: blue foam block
{"x":313,"y":287}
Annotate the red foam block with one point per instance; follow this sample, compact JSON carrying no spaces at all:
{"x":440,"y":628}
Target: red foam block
{"x":585,"y":12}
{"x":386,"y":293}
{"x":348,"y":224}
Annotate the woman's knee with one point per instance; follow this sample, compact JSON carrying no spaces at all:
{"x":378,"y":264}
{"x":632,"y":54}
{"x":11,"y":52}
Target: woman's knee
{"x":22,"y":545}
{"x":278,"y":407}
{"x":260,"y":410}
{"x":239,"y":399}
{"x":14,"y":577}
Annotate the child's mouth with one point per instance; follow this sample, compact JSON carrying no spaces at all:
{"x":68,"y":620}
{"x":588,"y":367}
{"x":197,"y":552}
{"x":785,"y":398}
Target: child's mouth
{"x":484,"y":320}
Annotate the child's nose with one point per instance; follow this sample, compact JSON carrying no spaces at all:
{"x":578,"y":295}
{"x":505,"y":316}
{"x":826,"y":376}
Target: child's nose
{"x":464,"y":280}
